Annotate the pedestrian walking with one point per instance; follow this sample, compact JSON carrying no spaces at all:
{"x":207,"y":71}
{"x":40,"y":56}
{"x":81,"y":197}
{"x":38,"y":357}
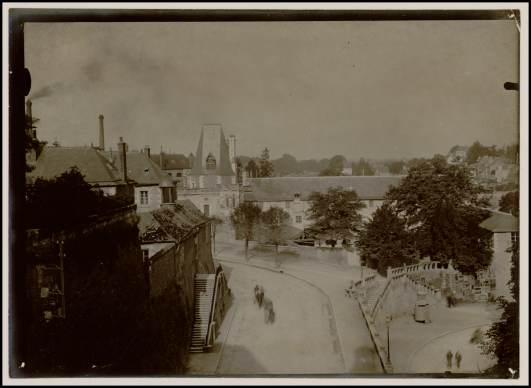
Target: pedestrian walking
{"x":449,"y":357}
{"x":458,"y":359}
{"x":261,"y":294}
{"x":268,"y":310}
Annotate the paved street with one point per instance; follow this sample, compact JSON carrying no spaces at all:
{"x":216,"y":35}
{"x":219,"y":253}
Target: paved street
{"x":432,"y":357}
{"x":301,"y":340}
{"x":318,"y":329}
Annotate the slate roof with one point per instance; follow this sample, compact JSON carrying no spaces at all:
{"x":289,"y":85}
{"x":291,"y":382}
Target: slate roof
{"x":140,"y":168}
{"x":500,"y":222}
{"x":171,"y":161}
{"x":212,"y":134}
{"x":53,"y":161}
{"x":285,"y":188}
{"x":143,"y":170}
{"x":167,"y":224}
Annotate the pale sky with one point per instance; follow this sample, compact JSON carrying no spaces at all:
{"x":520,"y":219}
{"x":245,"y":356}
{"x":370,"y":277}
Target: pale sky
{"x":386,"y":89}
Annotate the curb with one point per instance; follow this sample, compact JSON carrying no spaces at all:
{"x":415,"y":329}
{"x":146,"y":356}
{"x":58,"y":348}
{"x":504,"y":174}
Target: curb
{"x":376,"y":343}
{"x":310,"y":284}
{"x":427,"y":342}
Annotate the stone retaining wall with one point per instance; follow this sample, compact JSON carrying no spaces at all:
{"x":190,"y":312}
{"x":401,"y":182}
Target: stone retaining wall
{"x":397,"y":297}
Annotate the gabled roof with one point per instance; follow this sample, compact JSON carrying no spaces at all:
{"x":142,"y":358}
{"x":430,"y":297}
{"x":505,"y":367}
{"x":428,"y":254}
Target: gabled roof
{"x":140,"y":168}
{"x":285,"y":188}
{"x":170,"y":224}
{"x":143,"y":170}
{"x":500,"y":222}
{"x":212,"y":141}
{"x":53,"y":161}
{"x":171,"y":161}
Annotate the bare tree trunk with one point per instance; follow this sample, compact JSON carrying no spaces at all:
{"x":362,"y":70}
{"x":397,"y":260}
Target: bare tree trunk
{"x":246,"y":248}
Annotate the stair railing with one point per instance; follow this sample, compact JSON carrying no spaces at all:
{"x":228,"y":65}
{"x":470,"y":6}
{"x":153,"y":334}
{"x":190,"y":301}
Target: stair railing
{"x":212,"y":324}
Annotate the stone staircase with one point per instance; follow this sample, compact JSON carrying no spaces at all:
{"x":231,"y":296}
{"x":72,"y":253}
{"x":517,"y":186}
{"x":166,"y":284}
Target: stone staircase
{"x":373,"y":291}
{"x":203,"y":296}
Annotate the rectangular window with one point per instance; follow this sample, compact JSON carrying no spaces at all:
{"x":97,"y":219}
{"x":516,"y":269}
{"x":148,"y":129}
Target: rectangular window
{"x":287,"y":204}
{"x":371,"y":203}
{"x":144,"y":198}
{"x":206,"y":210}
{"x":514,"y":237}
{"x":298,"y":219}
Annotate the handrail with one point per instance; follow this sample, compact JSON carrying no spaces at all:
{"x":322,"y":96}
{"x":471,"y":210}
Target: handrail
{"x":380,"y":297}
{"x":219,"y":275}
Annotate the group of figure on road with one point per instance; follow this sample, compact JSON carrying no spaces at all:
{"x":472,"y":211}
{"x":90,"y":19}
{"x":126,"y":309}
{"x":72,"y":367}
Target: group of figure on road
{"x":262,"y":300}
{"x":450,"y":356}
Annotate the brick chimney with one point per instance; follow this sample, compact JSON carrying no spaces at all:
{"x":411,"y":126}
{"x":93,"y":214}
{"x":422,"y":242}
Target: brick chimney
{"x":102,"y":134}
{"x":122,"y":155}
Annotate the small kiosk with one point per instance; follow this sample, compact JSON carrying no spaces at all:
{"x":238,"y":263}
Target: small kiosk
{"x":422,"y":308}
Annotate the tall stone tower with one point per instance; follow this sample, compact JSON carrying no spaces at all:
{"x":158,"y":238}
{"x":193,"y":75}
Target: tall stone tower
{"x":212,"y":165}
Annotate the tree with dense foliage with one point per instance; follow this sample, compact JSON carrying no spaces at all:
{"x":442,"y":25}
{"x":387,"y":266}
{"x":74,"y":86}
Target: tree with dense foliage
{"x":244,"y":219}
{"x":239,"y":171}
{"x":335,"y":166}
{"x":362,"y":168}
{"x":511,"y":152}
{"x":65,"y":200}
{"x":266,"y":167}
{"x":443,"y":208}
{"x":414,"y":162}
{"x":384,"y":241}
{"x":503,"y":337}
{"x":274,"y":222}
{"x":337,"y":162}
{"x":396,"y":167}
{"x":477,"y":150}
{"x":285,"y":165}
{"x":252,"y":169}
{"x":510,"y":203}
{"x":336,"y":213}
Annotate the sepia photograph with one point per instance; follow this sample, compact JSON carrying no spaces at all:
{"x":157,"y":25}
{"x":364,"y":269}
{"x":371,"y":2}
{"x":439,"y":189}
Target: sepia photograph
{"x":302,"y":195}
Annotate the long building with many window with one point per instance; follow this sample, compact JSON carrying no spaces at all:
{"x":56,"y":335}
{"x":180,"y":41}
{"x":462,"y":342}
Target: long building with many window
{"x":292,"y":193}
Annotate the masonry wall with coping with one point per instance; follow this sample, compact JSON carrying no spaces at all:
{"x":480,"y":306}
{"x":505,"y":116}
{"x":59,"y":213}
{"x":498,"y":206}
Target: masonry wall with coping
{"x":396,"y":297}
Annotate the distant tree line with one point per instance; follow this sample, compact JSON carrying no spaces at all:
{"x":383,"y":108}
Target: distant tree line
{"x":478,"y":150}
{"x":262,"y":166}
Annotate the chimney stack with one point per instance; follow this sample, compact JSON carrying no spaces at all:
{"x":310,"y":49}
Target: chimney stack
{"x":161,"y":161}
{"x":147,"y":151}
{"x":232,"y":152}
{"x":123,"y":158}
{"x":102,"y":134}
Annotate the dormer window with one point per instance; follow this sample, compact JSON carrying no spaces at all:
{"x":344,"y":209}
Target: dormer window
{"x":297,"y":196}
{"x":210,"y":162}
